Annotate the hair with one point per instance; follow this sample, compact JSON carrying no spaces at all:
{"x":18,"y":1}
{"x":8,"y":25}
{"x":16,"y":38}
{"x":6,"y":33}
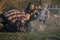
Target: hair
{"x":28,"y":7}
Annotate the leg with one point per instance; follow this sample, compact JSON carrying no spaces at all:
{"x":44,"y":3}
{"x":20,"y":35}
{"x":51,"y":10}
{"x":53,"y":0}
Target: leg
{"x":44,"y":21}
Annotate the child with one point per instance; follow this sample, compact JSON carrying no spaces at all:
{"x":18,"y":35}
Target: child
{"x":43,"y":15}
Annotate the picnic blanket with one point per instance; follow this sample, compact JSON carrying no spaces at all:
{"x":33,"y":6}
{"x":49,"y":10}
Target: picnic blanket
{"x":13,"y":15}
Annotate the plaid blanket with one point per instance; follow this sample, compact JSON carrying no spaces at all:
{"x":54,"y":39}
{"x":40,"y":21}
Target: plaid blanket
{"x":14,"y":15}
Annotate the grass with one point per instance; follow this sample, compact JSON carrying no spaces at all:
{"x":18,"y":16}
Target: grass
{"x":51,"y":31}
{"x":29,"y":35}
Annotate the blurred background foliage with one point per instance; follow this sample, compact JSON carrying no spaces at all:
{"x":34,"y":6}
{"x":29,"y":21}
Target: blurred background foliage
{"x":21,"y":4}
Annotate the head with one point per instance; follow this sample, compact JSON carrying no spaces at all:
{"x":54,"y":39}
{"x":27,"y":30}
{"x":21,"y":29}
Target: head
{"x":30,"y":6}
{"x":39,"y":6}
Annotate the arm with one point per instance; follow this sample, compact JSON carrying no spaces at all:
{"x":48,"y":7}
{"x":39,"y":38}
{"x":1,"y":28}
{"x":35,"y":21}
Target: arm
{"x":27,"y":16}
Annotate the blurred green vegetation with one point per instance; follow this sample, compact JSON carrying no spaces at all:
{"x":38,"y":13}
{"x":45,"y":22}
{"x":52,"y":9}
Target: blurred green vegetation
{"x":21,"y":4}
